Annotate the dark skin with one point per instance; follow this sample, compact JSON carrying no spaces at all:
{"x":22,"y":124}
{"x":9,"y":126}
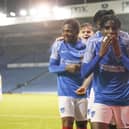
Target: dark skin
{"x":70,"y":35}
{"x":110,"y":31}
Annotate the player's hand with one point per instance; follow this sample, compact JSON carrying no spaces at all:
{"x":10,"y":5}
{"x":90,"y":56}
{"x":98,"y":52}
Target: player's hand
{"x":105,"y":45}
{"x":81,"y":90}
{"x":60,"y":38}
{"x":72,"y":68}
{"x":116,"y":47}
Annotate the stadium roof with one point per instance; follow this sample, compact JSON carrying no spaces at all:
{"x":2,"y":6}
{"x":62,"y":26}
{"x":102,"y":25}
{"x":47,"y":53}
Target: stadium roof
{"x":8,"y":6}
{"x":44,"y":12}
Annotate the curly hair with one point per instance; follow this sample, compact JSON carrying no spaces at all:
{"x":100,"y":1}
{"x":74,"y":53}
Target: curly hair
{"x":100,"y":13}
{"x":74,"y":23}
{"x":113,"y":18}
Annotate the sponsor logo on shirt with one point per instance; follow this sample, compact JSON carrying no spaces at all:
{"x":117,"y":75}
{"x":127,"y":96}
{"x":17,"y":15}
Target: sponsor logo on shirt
{"x":111,"y":68}
{"x":63,"y":61}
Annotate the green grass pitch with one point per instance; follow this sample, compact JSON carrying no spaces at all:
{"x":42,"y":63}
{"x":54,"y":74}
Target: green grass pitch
{"x":29,"y":111}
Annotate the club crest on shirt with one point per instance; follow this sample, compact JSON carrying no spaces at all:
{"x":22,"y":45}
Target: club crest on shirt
{"x":62,"y":110}
{"x":92,"y":113}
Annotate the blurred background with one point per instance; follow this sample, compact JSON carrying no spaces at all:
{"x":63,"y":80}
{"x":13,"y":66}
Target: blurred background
{"x":28,"y":28}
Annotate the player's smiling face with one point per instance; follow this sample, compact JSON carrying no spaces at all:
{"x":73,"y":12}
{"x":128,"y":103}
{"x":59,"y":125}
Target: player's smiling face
{"x":69,"y":33}
{"x":86,"y":32}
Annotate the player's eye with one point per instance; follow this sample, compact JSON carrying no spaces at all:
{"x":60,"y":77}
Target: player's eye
{"x":88,"y":32}
{"x":111,"y":27}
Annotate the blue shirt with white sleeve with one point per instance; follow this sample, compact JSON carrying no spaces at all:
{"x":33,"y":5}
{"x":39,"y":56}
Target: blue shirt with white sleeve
{"x":111,"y":74}
{"x":63,"y":53}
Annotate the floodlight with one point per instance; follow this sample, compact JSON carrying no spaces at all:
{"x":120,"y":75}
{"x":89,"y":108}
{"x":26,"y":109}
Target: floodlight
{"x":23,"y":12}
{"x":2,"y":15}
{"x":13,"y":14}
{"x":61,"y":13}
{"x":33,"y":12}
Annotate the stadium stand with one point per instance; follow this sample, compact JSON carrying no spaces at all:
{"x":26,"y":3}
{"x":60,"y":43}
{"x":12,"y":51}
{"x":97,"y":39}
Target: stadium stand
{"x":30,"y":43}
{"x":27,"y":43}
{"x":31,"y":80}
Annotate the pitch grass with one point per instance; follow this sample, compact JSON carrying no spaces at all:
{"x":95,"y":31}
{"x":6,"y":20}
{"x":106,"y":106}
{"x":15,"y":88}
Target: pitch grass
{"x":29,"y":111}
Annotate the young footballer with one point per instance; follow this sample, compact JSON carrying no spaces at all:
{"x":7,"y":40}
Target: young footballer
{"x":110,"y":65}
{"x":65,"y":60}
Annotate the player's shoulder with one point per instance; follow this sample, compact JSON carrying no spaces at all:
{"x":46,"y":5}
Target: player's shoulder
{"x":57,"y":44}
{"x":94,"y":39}
{"x":80,"y":45}
{"x":124,"y":36}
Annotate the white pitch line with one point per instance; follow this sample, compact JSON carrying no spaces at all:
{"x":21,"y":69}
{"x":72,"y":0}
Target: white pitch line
{"x":24,"y":65}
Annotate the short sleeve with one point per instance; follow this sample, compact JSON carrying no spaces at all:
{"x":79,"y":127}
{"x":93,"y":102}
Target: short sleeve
{"x":55,"y":50}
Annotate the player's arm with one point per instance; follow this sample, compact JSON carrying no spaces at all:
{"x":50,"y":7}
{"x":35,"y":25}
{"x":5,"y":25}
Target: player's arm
{"x":116,"y":47}
{"x":54,"y":66}
{"x":88,"y":68}
{"x":54,"y":61}
{"x":82,"y":89}
{"x":121,"y":56}
{"x":73,"y":68}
